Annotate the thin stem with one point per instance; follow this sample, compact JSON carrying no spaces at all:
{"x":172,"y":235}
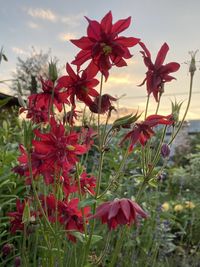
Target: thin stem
{"x":146,"y":109}
{"x":158,"y":104}
{"x":37,"y":198}
{"x":118,"y":247}
{"x":186,"y":111}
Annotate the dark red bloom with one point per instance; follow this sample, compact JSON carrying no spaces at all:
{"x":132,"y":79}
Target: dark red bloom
{"x":37,"y":115}
{"x":157,"y":73}
{"x":7,"y":249}
{"x":103,"y":45}
{"x":52,"y":94}
{"x":16,"y":217}
{"x":87,"y":183}
{"x":71,"y":217}
{"x":79,"y":86}
{"x":87,"y":136}
{"x":143,"y":131}
{"x":57,"y":149}
{"x":119,"y":212}
{"x":105,"y":104}
{"x":71,"y":116}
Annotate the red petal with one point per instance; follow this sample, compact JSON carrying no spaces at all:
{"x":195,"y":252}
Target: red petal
{"x":125,"y":206}
{"x":127,"y":41}
{"x":170,"y":67}
{"x":81,"y":57}
{"x":145,"y":49}
{"x":106,"y":22}
{"x":161,"y":55}
{"x":121,"y":25}
{"x":70,"y":71}
{"x":114,"y":208}
{"x":94,"y":29}
{"x":83,"y":43}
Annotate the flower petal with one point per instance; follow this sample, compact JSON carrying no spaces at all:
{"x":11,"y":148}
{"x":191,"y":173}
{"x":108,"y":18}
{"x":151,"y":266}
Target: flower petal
{"x":121,"y":25}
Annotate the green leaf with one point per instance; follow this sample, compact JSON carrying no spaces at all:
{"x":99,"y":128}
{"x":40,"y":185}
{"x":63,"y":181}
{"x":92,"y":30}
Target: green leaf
{"x":86,"y":202}
{"x":4,"y":101}
{"x":26,"y":217}
{"x":95,"y":239}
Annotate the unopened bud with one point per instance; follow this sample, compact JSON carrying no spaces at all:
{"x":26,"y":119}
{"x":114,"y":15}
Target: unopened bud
{"x":17,"y":261}
{"x":7,"y":248}
{"x":192,"y":67}
{"x":165,"y":151}
{"x":53,"y":73}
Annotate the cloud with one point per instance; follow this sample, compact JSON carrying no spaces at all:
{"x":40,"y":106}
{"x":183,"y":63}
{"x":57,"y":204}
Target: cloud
{"x":33,"y":25}
{"x":121,"y":79}
{"x":73,"y":20}
{"x":19,"y":51}
{"x":45,"y":14}
{"x":66,"y":36}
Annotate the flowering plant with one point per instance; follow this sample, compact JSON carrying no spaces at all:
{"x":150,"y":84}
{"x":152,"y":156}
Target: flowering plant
{"x":67,"y":200}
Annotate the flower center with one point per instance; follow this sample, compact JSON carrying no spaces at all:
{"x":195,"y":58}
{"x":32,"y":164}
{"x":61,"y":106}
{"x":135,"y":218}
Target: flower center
{"x":106,"y":49}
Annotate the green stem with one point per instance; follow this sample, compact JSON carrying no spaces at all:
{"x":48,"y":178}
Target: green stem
{"x":186,"y":111}
{"x":118,"y":247}
{"x":146,"y":109}
{"x":158,"y":105}
{"x":37,"y":198}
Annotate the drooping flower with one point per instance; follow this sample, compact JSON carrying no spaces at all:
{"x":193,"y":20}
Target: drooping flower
{"x":79,"y":86}
{"x":143,"y":131}
{"x":57,"y":149}
{"x":52,"y":94}
{"x":158,"y":73}
{"x":165,"y":150}
{"x":7,"y":249}
{"x":105,"y":104}
{"x":119,"y":212}
{"x":103,"y":45}
{"x":71,"y":116}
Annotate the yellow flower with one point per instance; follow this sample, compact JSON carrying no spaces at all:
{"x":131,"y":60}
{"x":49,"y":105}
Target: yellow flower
{"x":165,"y":206}
{"x":178,"y":207}
{"x":189,"y":205}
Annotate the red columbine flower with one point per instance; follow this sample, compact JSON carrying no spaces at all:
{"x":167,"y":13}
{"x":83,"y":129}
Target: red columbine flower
{"x":103,"y":45}
{"x":16,"y":217}
{"x":71,"y":217}
{"x":119,"y":212}
{"x":87,"y":183}
{"x":46,"y":99}
{"x":157,"y":73}
{"x":105,"y":104}
{"x":79,"y":86}
{"x":56,"y":149}
{"x":143,"y":131}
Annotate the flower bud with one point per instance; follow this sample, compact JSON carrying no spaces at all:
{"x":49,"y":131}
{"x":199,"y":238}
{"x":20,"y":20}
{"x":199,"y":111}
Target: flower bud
{"x":165,"y":151}
{"x":7,"y":248}
{"x":192,"y":67}
{"x":53,"y":73}
{"x":17,"y":261}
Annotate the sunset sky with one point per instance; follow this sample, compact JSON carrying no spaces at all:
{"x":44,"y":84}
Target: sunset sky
{"x":50,"y":24}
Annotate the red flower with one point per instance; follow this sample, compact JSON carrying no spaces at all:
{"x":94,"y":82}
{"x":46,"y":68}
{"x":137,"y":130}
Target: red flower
{"x":71,"y":217}
{"x":157,"y":73}
{"x":87,"y":183}
{"x":79,"y":86}
{"x":103,"y":45}
{"x":17,"y":216}
{"x":87,"y":136}
{"x":44,"y":100}
{"x":56,"y":149}
{"x":142,"y":132}
{"x":105,"y":104}
{"x":119,"y":212}
{"x":71,"y":116}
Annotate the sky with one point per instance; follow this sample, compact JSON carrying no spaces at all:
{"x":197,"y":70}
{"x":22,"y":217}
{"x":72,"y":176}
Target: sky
{"x":47,"y":24}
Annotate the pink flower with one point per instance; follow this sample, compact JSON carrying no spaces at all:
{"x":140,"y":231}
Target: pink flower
{"x":119,"y":212}
{"x":157,"y":73}
{"x":103,"y":45}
